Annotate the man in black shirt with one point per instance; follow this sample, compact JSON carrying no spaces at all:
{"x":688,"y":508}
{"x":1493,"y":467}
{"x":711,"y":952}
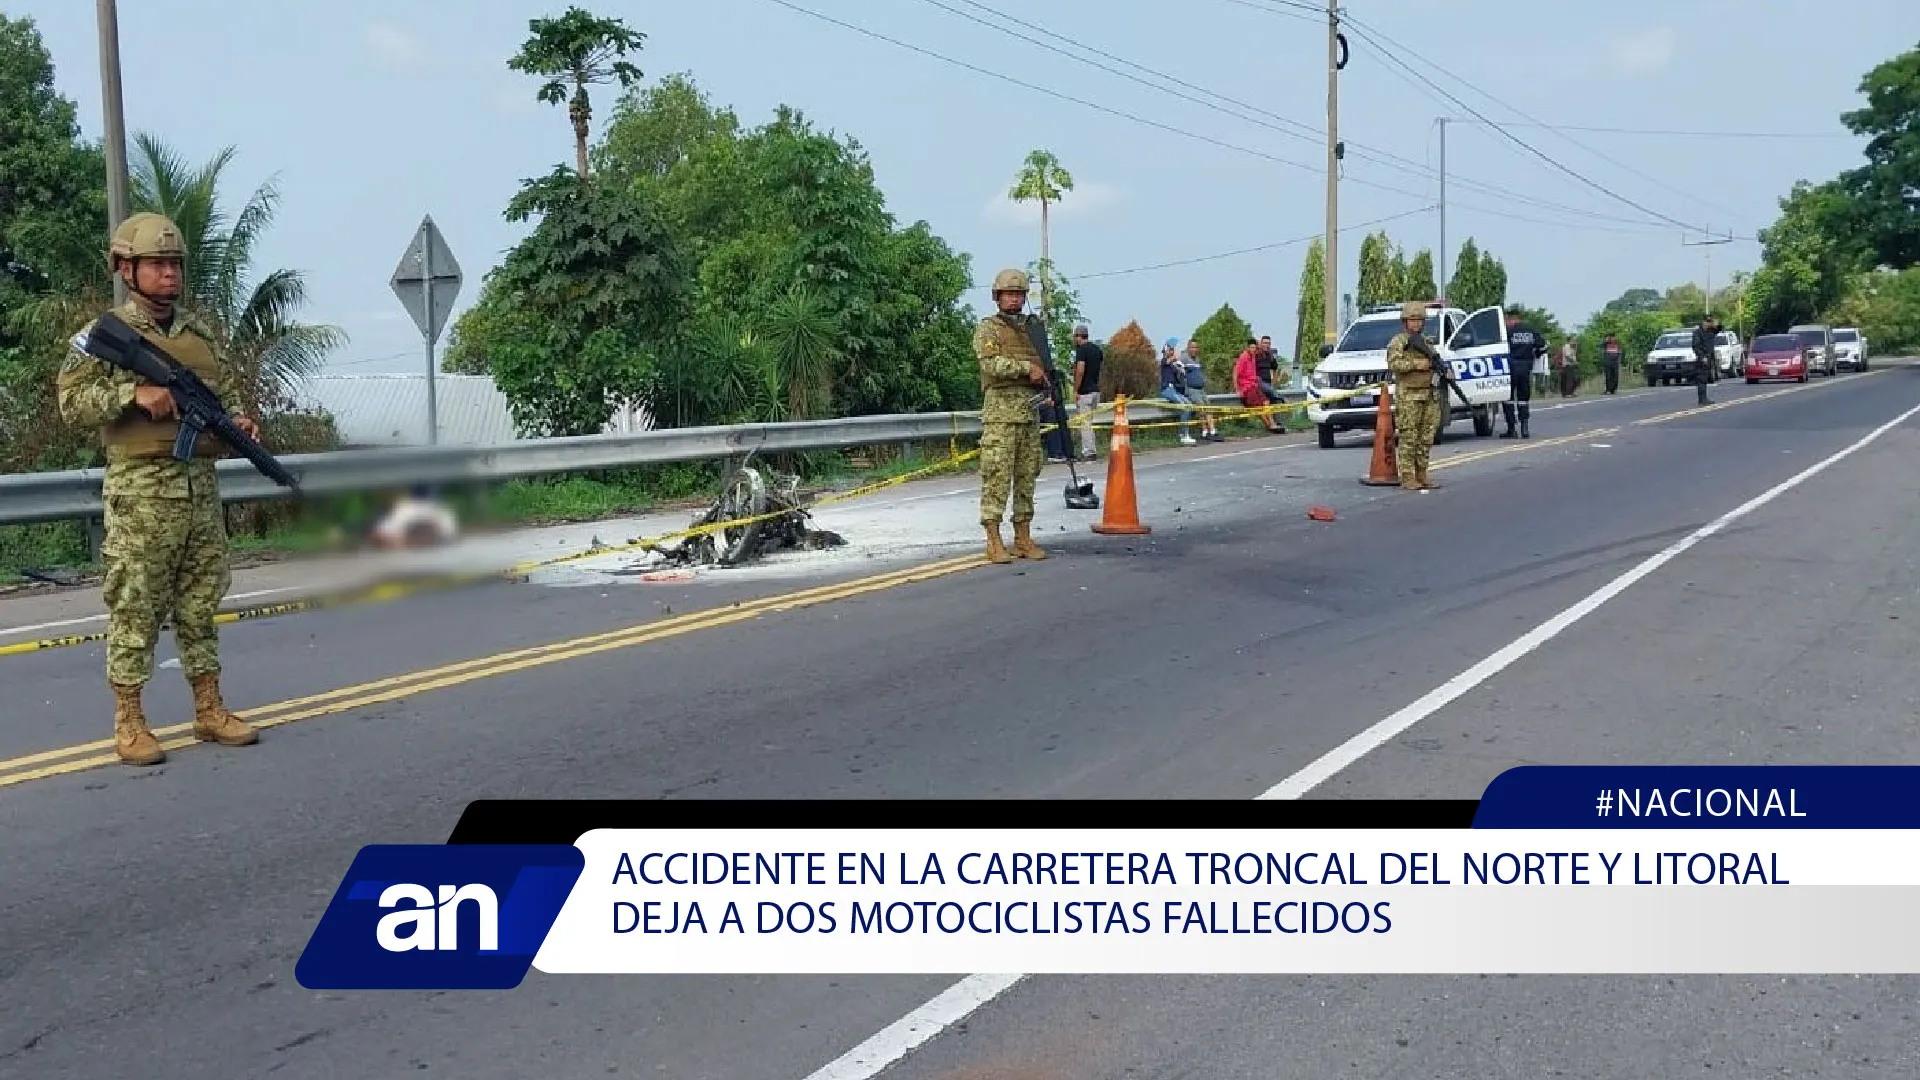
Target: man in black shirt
{"x":1524,"y":346}
{"x":1087,"y":358}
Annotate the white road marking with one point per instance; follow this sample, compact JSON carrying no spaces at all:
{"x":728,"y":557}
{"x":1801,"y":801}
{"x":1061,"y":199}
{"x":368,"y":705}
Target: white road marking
{"x":901,"y":1037}
{"x":7,"y":631}
{"x":1331,"y":763}
{"x":964,"y":997}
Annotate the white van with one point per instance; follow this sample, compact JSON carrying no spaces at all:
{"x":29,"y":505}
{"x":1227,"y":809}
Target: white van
{"x":1474,"y":345}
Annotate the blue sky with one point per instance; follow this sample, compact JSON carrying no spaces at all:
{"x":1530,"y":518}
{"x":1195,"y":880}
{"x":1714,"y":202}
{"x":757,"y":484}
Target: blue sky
{"x":374,"y":114}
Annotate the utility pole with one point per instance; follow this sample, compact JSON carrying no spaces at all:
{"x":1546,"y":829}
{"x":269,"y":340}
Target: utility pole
{"x":1332,"y":274}
{"x":116,"y":127}
{"x":1443,"y":213}
{"x":1709,"y":243}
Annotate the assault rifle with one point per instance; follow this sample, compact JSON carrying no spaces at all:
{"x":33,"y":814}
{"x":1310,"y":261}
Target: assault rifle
{"x":1080,"y":494}
{"x":116,"y":343}
{"x":1441,"y":369}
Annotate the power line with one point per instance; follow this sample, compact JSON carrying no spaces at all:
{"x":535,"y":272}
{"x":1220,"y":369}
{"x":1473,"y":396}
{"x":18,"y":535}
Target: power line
{"x":1123,"y":114}
{"x":1317,"y":170}
{"x":1690,"y":134}
{"x":1374,"y":38}
{"x":1247,"y":251}
{"x":1367,"y":35}
{"x":1292,"y":128}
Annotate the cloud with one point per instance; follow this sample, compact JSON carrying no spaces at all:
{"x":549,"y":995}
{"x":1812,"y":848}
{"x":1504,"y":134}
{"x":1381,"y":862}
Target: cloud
{"x":1086,"y":199}
{"x":392,"y":45}
{"x":1647,"y":51}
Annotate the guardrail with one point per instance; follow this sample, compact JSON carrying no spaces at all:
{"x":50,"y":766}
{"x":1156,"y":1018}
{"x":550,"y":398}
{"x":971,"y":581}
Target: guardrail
{"x":57,"y":496}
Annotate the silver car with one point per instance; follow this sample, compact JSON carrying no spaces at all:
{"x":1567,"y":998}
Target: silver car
{"x":1818,"y":339}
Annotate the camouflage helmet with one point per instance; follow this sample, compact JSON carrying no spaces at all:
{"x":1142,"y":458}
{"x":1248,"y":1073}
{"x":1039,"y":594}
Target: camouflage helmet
{"x":1413,"y":309}
{"x":1010,"y":281}
{"x":143,"y":236}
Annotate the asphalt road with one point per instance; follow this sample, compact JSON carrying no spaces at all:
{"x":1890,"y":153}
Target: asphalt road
{"x":151,"y":919}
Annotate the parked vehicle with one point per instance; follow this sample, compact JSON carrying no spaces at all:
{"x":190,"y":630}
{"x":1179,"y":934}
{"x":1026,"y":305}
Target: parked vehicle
{"x":1850,"y":348}
{"x":1670,"y":360}
{"x":1732,"y":358}
{"x":1475,"y":346}
{"x":1817,"y":339}
{"x":1778,"y":356}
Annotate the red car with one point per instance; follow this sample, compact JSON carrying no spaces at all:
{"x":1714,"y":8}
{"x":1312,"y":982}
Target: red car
{"x":1777,"y":356}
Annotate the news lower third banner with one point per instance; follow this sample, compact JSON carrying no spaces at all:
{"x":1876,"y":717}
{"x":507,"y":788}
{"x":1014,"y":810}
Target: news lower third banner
{"x":1555,"y":870}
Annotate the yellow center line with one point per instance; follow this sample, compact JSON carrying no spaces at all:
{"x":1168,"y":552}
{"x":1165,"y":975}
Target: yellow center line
{"x":1529,"y":444}
{"x":179,"y":736}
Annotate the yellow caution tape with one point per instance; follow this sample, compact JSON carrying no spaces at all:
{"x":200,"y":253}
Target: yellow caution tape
{"x":399,"y":590}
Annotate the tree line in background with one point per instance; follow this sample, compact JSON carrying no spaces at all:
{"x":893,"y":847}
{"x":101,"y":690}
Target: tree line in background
{"x":53,"y":268}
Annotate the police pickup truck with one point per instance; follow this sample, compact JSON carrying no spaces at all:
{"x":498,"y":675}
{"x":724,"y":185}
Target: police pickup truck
{"x":1475,"y":346}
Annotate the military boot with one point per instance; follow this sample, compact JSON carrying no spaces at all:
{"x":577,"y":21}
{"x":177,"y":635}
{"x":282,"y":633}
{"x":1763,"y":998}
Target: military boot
{"x":996,"y":548}
{"x":131,"y":738}
{"x":1420,"y":480}
{"x":1506,"y":413}
{"x":211,"y":720}
{"x":1023,"y":544}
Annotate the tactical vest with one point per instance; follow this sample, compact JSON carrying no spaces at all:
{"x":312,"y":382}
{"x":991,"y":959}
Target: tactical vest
{"x":1413,"y":380}
{"x":134,"y":434}
{"x":1014,"y":344}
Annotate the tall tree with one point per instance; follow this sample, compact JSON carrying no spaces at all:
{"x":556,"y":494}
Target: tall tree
{"x":1401,"y":275}
{"x":53,"y":237}
{"x":1060,"y":308}
{"x":1886,"y":191}
{"x":1378,"y":284}
{"x":655,"y":128}
{"x":1479,"y":279}
{"x":1806,"y":258}
{"x":604,"y":289}
{"x":1221,"y":338}
{"x":572,"y":52}
{"x":1313,"y":282}
{"x":1042,"y":179}
{"x":1420,"y":282}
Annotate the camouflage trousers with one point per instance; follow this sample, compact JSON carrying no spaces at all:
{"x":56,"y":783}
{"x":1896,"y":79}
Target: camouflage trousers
{"x":164,"y":557}
{"x":1414,"y":421}
{"x":1009,"y":459}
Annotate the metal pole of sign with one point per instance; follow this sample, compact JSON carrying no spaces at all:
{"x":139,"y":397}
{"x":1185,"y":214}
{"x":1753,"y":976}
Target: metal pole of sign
{"x":426,"y":273}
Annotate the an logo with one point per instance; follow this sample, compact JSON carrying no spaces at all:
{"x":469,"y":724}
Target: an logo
{"x":436,"y":925}
{"x":456,"y":917}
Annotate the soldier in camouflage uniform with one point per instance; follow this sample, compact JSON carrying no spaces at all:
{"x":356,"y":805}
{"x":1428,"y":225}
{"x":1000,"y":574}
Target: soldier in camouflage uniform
{"x":1010,"y":453}
{"x":166,"y":539}
{"x":1416,"y":404}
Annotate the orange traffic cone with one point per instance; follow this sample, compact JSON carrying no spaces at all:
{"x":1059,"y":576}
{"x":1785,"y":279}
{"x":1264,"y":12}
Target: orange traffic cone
{"x":1383,"y":472}
{"x":1122,"y":514}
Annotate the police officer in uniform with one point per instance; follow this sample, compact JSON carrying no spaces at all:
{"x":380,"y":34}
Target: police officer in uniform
{"x":1705,"y":337}
{"x":1010,"y":453}
{"x":1524,"y":346}
{"x":1416,"y":404}
{"x":166,"y":538}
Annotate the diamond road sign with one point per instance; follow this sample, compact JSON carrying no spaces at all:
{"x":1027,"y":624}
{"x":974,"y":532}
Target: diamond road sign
{"x":427,"y":280}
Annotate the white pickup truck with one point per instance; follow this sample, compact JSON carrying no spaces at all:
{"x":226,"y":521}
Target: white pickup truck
{"x":1475,"y":346}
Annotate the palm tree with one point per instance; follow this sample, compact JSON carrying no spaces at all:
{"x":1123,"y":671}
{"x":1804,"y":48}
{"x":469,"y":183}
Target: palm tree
{"x":577,"y":50}
{"x":1041,"y":178}
{"x":254,"y":319}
